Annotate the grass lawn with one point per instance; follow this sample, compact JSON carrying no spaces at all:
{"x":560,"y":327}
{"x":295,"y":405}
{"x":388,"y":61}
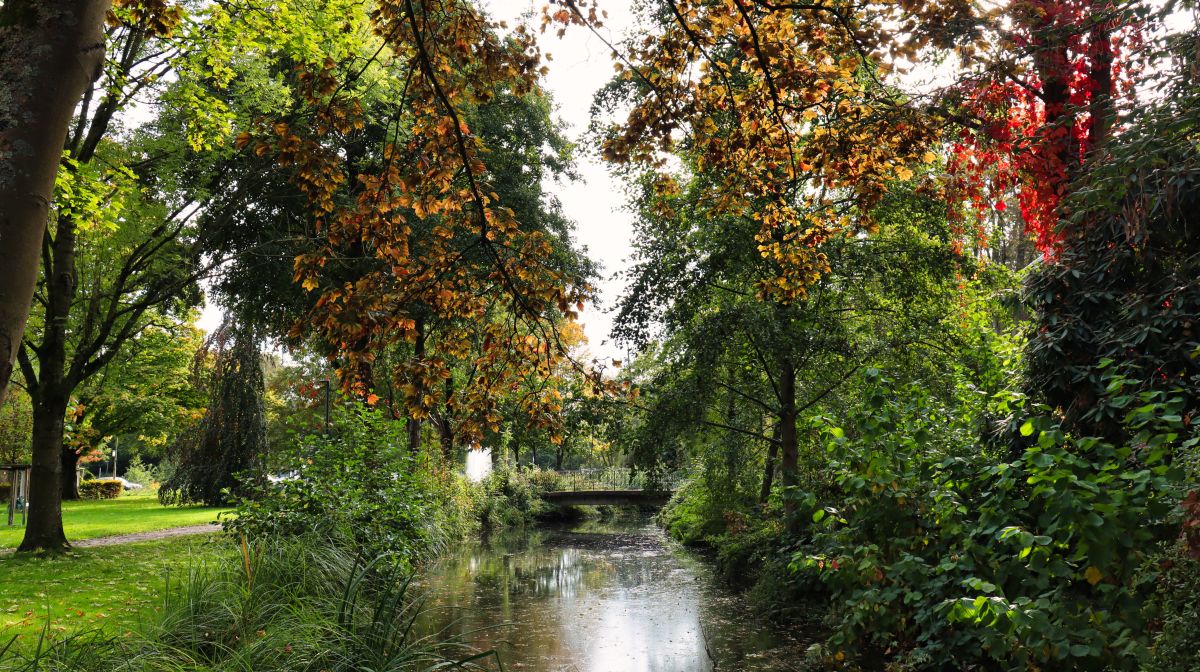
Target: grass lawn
{"x":131,"y":512}
{"x":92,"y":588}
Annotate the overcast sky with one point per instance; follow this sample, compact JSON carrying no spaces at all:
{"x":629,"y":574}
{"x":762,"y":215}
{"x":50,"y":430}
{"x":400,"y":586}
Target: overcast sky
{"x":581,"y":64}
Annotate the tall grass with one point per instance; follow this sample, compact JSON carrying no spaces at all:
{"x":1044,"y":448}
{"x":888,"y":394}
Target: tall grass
{"x":295,"y":605}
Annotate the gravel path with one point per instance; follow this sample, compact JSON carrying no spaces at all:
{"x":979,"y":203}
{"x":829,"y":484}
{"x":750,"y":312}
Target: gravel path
{"x":146,"y":536}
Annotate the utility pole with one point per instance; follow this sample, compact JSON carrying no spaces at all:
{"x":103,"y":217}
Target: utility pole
{"x":325,"y":381}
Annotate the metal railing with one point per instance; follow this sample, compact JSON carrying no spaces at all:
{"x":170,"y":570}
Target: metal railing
{"x":614,"y":478}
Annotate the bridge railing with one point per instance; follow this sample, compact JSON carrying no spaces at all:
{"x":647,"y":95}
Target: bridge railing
{"x":615,"y":478}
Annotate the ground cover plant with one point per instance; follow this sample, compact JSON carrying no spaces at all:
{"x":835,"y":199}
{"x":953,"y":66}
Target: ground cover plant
{"x":295,"y":604}
{"x":109,"y":588}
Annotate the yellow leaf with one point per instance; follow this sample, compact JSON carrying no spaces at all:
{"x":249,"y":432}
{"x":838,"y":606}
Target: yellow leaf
{"x":1093,"y":575}
{"x":930,"y":157}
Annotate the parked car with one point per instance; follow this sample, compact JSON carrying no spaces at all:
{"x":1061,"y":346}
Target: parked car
{"x":128,"y":485}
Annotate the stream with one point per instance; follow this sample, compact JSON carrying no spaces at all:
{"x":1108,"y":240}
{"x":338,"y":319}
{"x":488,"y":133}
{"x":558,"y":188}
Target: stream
{"x":599,"y":597}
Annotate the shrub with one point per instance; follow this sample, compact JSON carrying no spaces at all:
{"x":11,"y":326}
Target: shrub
{"x":688,"y":516}
{"x":512,"y":497}
{"x":101,"y":488}
{"x":140,"y":472}
{"x":1177,"y":645}
{"x":360,"y":490}
{"x":1034,"y":562}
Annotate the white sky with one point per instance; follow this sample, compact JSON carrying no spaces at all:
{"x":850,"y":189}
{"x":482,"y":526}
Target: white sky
{"x":581,"y":65}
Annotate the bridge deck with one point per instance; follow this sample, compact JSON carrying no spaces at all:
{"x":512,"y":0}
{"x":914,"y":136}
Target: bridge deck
{"x":607,"y":498}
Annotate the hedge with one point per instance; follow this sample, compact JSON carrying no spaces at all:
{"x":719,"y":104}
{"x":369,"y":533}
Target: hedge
{"x":103,"y":488}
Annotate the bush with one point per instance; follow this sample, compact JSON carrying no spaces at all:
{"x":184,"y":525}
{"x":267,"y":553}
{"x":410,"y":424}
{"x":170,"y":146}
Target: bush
{"x":362,"y":492}
{"x":1177,"y":645}
{"x":101,"y":488}
{"x":1037,"y":562}
{"x":512,"y":497}
{"x":688,"y":517}
{"x":140,"y":472}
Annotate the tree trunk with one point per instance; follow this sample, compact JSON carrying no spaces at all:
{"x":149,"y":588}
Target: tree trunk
{"x":50,"y":52}
{"x":70,"y":483}
{"x":51,"y":396}
{"x":446,"y":438}
{"x":768,"y":478}
{"x":787,"y":438}
{"x":44,"y":530}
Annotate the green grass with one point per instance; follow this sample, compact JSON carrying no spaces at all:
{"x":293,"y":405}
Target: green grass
{"x":129,"y":513}
{"x":95,"y":588}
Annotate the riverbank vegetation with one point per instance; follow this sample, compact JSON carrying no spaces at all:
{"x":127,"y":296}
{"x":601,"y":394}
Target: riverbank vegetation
{"x":958,"y":420}
{"x":911,"y":313}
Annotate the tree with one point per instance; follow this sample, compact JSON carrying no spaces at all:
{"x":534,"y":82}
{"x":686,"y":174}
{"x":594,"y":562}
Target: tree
{"x":751,"y":366}
{"x":231,"y":439}
{"x":16,"y":427}
{"x":418,"y":308}
{"x":125,"y":209}
{"x":144,"y":397}
{"x":116,"y":251}
{"x":423,"y":237}
{"x":40,"y":97}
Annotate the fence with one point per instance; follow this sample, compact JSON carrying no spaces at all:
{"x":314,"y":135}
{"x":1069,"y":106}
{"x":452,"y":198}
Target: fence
{"x":615,"y":478}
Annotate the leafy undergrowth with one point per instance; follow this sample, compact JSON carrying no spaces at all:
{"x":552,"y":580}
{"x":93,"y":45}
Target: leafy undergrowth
{"x":299,"y":603}
{"x":129,"y":513}
{"x":97,"y":588}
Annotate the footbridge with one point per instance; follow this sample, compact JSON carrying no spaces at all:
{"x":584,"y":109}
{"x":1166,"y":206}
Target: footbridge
{"x":610,"y":487}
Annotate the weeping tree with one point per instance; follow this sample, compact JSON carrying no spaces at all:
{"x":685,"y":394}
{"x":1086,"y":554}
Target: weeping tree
{"x":232,"y":437}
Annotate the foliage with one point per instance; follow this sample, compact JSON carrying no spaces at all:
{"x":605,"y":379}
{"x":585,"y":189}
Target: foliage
{"x":1036,"y":560}
{"x":414,"y":244}
{"x":145,"y":395}
{"x":101,"y":488}
{"x":783,"y":105}
{"x":16,"y":427}
{"x":511,"y":496}
{"x":1177,"y":642}
{"x":232,"y":436}
{"x":278,"y":605}
{"x":142,"y":473}
{"x":361,"y":490}
{"x":1125,"y":290}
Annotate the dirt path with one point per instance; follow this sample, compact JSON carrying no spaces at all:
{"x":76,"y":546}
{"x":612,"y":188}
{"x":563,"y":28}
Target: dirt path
{"x":146,"y":536}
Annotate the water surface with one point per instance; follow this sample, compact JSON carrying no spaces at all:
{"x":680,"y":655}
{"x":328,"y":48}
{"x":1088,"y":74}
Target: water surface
{"x":600,"y":597}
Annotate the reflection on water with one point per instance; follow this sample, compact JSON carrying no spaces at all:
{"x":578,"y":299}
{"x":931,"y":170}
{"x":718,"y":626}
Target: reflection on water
{"x":599,"y":598}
